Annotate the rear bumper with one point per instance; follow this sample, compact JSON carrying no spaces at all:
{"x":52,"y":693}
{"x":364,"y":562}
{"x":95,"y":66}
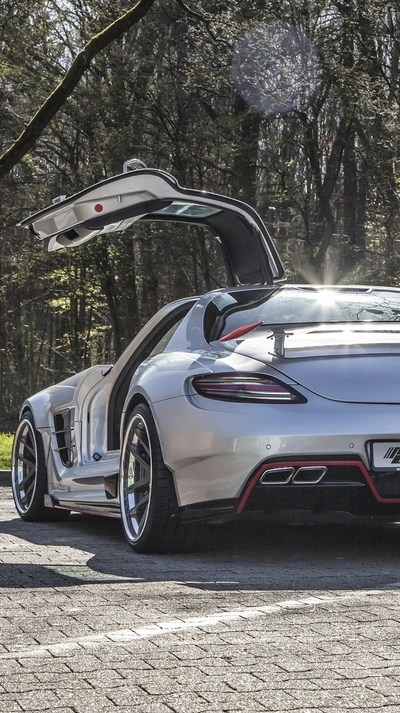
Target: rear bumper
{"x":215,"y":450}
{"x":346,"y":486}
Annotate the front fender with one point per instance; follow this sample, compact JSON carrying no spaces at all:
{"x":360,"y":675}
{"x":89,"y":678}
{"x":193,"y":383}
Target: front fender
{"x":43,"y":403}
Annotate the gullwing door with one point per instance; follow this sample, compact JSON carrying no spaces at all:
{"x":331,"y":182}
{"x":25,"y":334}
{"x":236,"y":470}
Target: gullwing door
{"x":150,"y":194}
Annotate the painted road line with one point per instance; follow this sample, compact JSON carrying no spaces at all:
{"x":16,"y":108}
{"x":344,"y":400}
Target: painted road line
{"x":123,"y":636}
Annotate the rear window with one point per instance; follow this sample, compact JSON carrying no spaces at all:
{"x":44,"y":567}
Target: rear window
{"x":302,"y":305}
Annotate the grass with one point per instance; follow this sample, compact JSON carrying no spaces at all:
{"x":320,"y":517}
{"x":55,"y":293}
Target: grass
{"x":6,"y":440}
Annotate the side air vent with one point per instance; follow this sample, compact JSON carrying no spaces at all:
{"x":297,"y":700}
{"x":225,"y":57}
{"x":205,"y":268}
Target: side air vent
{"x":65,"y":436}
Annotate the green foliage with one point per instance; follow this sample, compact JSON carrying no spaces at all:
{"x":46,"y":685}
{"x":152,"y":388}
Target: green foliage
{"x":6,"y":441}
{"x":324,"y":176}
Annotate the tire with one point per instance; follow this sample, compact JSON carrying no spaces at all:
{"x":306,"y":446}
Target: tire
{"x":29,"y":474}
{"x":147,"y":493}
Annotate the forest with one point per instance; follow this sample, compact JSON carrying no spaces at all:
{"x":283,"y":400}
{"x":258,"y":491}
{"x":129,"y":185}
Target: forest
{"x":290,"y":105}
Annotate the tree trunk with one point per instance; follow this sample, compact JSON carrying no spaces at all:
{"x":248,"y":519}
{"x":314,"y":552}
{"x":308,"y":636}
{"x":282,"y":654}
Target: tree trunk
{"x":245,"y":163}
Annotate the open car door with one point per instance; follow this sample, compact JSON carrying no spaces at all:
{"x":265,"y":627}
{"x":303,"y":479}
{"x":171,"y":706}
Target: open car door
{"x":150,"y":194}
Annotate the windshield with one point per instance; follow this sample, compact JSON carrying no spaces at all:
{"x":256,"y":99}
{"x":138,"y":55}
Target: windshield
{"x":303,"y":305}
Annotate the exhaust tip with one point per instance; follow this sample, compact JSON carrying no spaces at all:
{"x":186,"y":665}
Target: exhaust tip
{"x":277,"y":476}
{"x":309,"y":475}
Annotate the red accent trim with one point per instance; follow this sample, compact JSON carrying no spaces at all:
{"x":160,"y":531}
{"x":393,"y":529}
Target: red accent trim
{"x":239,"y":332}
{"x":98,"y":208}
{"x":87,"y":512}
{"x":298,"y":464}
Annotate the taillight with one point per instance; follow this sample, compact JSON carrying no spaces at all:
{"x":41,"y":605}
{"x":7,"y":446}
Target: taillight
{"x":243,"y":387}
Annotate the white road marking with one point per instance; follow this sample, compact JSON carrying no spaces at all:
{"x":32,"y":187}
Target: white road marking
{"x":123,"y":636}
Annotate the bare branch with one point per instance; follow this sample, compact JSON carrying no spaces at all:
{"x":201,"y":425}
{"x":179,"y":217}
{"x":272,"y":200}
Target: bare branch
{"x":55,"y":101}
{"x":205,"y":20}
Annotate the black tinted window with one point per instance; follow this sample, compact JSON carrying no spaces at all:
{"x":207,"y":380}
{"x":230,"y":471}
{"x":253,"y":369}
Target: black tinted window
{"x":298,"y":305}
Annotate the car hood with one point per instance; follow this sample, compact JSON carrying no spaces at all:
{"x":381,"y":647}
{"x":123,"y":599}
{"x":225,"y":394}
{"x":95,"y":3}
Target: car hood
{"x":359,"y":365}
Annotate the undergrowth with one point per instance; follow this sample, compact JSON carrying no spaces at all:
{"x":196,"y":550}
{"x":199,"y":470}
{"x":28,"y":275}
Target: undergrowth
{"x":6,"y":440}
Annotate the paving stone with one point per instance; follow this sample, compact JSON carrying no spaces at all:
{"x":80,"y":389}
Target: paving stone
{"x":38,"y":700}
{"x":186,"y":703}
{"x":227,"y":701}
{"x":9,"y":704}
{"x":64,"y":582}
{"x":95,"y":704}
{"x":279,"y":682}
{"x":104,"y":678}
{"x":130,"y":695}
{"x":152,"y":707}
{"x":349,"y":697}
{"x":374,"y":709}
{"x":61,"y":682}
{"x":18,"y":683}
{"x":244,"y":682}
{"x":163,"y":685}
{"x":297,"y":710}
{"x":49,"y":665}
{"x":65,"y":710}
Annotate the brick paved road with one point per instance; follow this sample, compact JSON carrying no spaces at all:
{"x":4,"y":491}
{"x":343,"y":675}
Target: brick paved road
{"x":274,"y":618}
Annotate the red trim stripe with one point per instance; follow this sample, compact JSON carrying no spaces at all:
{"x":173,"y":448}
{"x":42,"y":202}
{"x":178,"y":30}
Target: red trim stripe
{"x":239,"y":332}
{"x":117,"y":516}
{"x":299,"y":464}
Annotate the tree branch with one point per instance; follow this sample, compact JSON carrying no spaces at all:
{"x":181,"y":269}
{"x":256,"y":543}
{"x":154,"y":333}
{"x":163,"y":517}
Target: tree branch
{"x":205,"y":20}
{"x":56,"y":99}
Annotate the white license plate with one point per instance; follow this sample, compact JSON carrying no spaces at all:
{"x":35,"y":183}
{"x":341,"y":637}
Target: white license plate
{"x":386,"y":455}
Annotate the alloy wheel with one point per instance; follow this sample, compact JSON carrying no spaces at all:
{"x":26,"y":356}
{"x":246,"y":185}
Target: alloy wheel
{"x":24,"y":466}
{"x":136,"y":478}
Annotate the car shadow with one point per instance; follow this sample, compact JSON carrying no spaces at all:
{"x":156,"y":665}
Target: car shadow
{"x":294,"y":551}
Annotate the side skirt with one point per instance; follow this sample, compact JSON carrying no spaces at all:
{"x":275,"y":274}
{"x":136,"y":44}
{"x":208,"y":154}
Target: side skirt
{"x":82,"y":507}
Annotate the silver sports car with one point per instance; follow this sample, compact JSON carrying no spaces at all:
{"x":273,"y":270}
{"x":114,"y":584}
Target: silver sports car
{"x":260,"y":396}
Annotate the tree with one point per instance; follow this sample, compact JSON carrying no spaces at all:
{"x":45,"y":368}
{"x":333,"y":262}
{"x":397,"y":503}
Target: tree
{"x":57,"y":98}
{"x":323,"y":176}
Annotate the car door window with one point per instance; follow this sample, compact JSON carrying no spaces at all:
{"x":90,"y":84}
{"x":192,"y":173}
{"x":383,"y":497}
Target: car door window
{"x":164,"y":340}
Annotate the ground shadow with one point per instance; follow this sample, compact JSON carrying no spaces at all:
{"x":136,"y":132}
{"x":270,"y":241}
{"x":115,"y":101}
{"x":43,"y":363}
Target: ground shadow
{"x":299,"y":552}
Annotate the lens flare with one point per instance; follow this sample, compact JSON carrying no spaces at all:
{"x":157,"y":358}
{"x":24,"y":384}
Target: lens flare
{"x":274,"y":68}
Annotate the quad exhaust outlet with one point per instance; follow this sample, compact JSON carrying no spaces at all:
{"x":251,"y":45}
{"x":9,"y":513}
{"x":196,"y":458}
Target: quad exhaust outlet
{"x":305,"y":475}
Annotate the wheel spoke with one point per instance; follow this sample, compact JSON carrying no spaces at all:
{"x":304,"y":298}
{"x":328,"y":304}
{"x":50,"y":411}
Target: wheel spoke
{"x":25,"y":480}
{"x":28,"y":447}
{"x":135,"y":452}
{"x":28,"y":491}
{"x":145,"y":447}
{"x":136,"y":508}
{"x":27,"y":461}
{"x":139,"y":485}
